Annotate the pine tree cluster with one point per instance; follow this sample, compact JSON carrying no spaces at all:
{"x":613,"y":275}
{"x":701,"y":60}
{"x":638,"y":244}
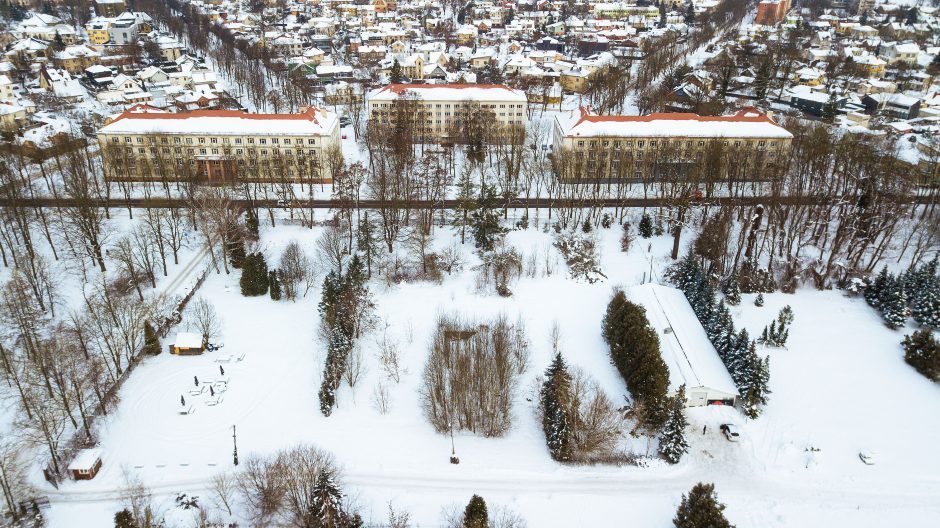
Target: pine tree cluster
{"x":776,"y":333}
{"x":915,"y":292}
{"x":634,"y":349}
{"x":672,"y":442}
{"x":254,"y":279}
{"x":345,"y":306}
{"x":701,"y":509}
{"x":646,"y":226}
{"x":750,"y":372}
{"x":922,"y":351}
{"x":555,"y":391}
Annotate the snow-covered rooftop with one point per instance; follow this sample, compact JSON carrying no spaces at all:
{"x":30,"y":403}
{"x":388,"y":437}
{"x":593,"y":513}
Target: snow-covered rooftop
{"x":149,"y":120}
{"x":450,"y":92}
{"x":85,"y":460}
{"x":188,"y":340}
{"x":745,"y":123}
{"x":685,"y":347}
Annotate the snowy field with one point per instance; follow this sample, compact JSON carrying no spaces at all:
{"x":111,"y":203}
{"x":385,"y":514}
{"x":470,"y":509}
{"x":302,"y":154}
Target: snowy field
{"x":841,"y":386}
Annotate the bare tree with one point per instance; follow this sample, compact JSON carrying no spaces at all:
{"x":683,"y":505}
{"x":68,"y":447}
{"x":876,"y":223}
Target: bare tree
{"x":203,"y":317}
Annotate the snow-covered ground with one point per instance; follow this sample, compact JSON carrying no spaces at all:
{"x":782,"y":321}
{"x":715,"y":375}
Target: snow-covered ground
{"x":841,"y":386}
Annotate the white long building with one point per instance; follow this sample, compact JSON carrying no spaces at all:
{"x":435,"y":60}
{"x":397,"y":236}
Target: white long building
{"x":440,"y":104}
{"x":685,"y":347}
{"x":219,"y":145}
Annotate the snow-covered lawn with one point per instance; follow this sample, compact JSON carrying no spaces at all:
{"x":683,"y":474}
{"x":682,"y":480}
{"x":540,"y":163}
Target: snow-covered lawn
{"x":841,"y":386}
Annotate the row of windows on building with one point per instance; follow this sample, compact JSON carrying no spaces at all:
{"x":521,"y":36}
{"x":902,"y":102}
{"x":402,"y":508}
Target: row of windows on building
{"x":677,"y":154}
{"x":225,"y":151}
{"x":214,"y":140}
{"x":455,"y":106}
{"x":653,"y":143}
{"x":132,"y":162}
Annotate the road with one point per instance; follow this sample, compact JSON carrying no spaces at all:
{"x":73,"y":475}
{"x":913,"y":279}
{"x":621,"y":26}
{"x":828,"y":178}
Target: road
{"x":515,"y":203}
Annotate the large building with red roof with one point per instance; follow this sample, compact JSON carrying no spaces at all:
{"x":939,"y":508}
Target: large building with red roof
{"x":147,"y":143}
{"x":637,"y":148}
{"x":439,"y":107}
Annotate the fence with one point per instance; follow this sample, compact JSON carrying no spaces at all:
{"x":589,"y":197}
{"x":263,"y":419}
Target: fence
{"x":79,"y":439}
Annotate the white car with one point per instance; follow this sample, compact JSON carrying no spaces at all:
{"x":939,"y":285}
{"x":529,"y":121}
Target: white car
{"x":731,"y":432}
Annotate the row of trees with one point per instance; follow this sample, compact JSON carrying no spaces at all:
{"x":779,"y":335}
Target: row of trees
{"x":915,"y":292}
{"x":750,"y":372}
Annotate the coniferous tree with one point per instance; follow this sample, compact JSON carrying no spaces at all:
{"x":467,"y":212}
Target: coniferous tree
{"x":236,"y":253}
{"x":466,"y":203}
{"x":254,"y":279}
{"x":151,"y":341}
{"x":701,"y":509}
{"x":672,"y":442}
{"x":367,"y":241}
{"x":124,"y":519}
{"x":395,"y":74}
{"x":876,"y":289}
{"x":759,"y":301}
{"x":754,"y":381}
{"x":922,"y":351}
{"x":251,"y":223}
{"x":475,"y":515}
{"x":274,"y":284}
{"x":634,"y":349}
{"x":484,"y":220}
{"x":894,"y":304}
{"x":326,"y":503}
{"x":646,"y":226}
{"x":556,"y":390}
{"x":733,"y":290}
{"x":586,"y":226}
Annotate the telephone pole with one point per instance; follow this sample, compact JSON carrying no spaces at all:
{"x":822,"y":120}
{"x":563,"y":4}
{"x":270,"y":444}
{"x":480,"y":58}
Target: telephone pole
{"x":234,"y":447}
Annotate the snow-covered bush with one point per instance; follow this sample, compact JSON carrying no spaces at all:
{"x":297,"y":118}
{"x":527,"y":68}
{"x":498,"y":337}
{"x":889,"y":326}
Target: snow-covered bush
{"x":582,"y":256}
{"x":498,"y":270}
{"x":472,"y":374}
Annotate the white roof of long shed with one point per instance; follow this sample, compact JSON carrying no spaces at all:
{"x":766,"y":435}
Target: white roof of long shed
{"x":686,"y":349}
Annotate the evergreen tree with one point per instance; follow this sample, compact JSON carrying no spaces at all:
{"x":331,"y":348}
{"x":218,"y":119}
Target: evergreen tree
{"x":922,"y":351}
{"x":733,"y":290}
{"x":759,"y":301}
{"x":701,"y":509}
{"x":151,"y":341}
{"x":586,"y":226}
{"x":466,"y":203}
{"x":634,"y":349}
{"x":367,"y":241}
{"x":395,"y":75}
{"x":484,"y":220}
{"x":754,"y":381}
{"x":830,"y":109}
{"x":124,"y":519}
{"x":326,"y":503}
{"x":251,"y":222}
{"x":274,"y":283}
{"x":926,"y":306}
{"x":236,"y":253}
{"x":894,"y":304}
{"x":254,"y":279}
{"x":475,"y":514}
{"x":876,"y":289}
{"x":689,"y":13}
{"x":672,"y":442}
{"x":555,"y":394}
{"x":646,"y":226}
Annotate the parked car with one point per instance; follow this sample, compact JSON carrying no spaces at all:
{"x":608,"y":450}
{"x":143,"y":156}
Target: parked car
{"x":867,"y":457}
{"x":731,"y":432}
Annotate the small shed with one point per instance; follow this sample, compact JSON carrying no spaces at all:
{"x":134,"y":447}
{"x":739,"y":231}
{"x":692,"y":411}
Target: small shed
{"x":685,"y":347}
{"x":187,"y":344}
{"x":86,"y":464}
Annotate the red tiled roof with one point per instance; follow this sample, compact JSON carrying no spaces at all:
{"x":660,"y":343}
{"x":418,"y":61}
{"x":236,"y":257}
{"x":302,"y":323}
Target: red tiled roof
{"x":399,"y":88}
{"x":143,"y":111}
{"x":745,"y":115}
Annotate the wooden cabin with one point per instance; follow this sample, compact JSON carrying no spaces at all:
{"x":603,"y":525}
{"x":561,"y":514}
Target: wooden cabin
{"x":187,"y":344}
{"x":86,"y":464}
